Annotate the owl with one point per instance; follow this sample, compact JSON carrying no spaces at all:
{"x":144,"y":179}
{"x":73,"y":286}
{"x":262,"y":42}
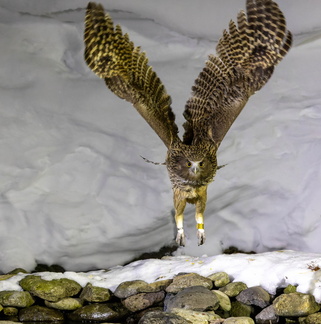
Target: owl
{"x":246,"y":55}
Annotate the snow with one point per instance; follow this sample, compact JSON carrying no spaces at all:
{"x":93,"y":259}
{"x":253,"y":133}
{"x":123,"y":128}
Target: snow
{"x":74,"y":189}
{"x":271,"y":270}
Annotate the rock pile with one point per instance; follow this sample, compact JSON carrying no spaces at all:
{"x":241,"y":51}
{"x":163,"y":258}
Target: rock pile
{"x":188,"y":298}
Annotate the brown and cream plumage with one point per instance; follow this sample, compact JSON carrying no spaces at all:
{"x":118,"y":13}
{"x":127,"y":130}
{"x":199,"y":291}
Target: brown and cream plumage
{"x":246,"y":56}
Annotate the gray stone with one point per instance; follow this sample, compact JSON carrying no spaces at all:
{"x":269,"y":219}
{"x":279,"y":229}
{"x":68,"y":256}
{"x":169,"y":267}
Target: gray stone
{"x":159,"y":317}
{"x":225,"y":303}
{"x":239,"y":320}
{"x":220,"y":279}
{"x":40,"y":314}
{"x":16,"y":299}
{"x":267,"y":316}
{"x":143,"y":300}
{"x":188,"y":280}
{"x":196,"y":298}
{"x":94,"y":294}
{"x":196,"y":317}
{"x":67,"y":303}
{"x":130,"y":288}
{"x":233,"y":289}
{"x":99,"y":312}
{"x":295,"y":305}
{"x":52,"y":290}
{"x":313,"y":319}
{"x":256,"y":296}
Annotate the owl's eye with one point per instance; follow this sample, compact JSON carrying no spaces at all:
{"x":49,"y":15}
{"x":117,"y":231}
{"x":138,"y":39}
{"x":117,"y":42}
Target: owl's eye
{"x":188,"y":164}
{"x":201,"y":164}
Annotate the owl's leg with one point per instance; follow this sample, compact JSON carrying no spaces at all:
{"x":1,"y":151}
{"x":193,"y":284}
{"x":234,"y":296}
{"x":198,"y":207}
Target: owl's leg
{"x":179,"y":205}
{"x":199,"y":215}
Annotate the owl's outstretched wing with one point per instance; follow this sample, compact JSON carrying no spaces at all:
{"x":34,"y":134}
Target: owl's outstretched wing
{"x":246,"y":57}
{"x":113,"y":57}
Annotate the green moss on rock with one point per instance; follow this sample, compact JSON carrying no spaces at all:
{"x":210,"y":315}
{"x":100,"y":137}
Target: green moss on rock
{"x":52,"y":290}
{"x":16,"y":299}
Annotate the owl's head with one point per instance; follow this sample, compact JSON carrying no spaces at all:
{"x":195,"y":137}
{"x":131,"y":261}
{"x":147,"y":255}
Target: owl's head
{"x":190,"y":166}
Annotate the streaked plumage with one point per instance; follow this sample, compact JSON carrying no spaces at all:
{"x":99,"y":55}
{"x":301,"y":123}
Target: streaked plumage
{"x":246,"y":56}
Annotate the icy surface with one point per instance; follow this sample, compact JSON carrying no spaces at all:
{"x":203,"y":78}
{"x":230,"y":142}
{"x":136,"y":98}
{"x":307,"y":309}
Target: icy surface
{"x":74,"y":190}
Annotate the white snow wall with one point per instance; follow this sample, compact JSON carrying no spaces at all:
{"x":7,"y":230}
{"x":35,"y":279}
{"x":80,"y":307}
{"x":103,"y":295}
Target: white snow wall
{"x":74,"y":190}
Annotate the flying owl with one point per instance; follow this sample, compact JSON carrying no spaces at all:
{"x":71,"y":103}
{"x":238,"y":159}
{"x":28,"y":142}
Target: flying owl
{"x":245,"y":58}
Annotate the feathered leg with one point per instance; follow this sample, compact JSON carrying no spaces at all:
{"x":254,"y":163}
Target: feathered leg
{"x":179,"y":204}
{"x":199,"y":214}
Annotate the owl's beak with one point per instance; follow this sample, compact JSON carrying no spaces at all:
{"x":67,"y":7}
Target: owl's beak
{"x":195,"y":169}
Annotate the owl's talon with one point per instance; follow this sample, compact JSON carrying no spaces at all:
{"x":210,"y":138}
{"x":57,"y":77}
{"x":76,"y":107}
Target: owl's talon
{"x":201,"y":236}
{"x":180,"y":238}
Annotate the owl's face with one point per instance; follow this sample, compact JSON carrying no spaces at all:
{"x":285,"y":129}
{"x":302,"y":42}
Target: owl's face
{"x":194,"y":169}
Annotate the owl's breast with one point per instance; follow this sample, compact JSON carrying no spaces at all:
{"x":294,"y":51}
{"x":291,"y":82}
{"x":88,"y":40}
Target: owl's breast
{"x":189,"y":193}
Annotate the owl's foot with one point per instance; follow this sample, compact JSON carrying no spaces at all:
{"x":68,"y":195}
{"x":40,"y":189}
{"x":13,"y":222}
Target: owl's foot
{"x":180,"y":238}
{"x":201,"y":236}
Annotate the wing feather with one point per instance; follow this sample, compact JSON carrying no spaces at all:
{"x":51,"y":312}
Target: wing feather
{"x":246,"y":56}
{"x":112,"y":56}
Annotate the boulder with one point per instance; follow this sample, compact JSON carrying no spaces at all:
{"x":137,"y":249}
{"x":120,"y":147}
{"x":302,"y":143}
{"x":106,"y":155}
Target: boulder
{"x":197,"y":298}
{"x":181,"y":282}
{"x":295,"y":305}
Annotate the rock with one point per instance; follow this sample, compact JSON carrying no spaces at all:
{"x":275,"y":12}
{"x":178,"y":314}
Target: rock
{"x":17,"y":270}
{"x":289,"y":289}
{"x":134,"y":318}
{"x":10,"y":311}
{"x":239,"y":309}
{"x":220,"y":279}
{"x":225,"y":303}
{"x":160,"y":285}
{"x":99,"y":312}
{"x":6,"y":276}
{"x":233,"y":289}
{"x":52,"y":290}
{"x":94,"y":294}
{"x":143,"y":300}
{"x":160,"y":317}
{"x":196,"y":317}
{"x":217,"y":321}
{"x":52,"y":268}
{"x":188,"y":280}
{"x":195,"y":298}
{"x":256,"y":296}
{"x":16,"y":299}
{"x":295,"y":305}
{"x":239,"y":320}
{"x":267,"y":316}
{"x":67,"y":303}
{"x":40,"y":314}
{"x":129,"y":288}
{"x":313,"y":319}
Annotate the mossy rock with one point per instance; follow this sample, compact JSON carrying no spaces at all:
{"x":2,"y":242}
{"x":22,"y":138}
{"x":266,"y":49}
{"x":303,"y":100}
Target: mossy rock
{"x":233,"y":288}
{"x":99,"y":312}
{"x":295,"y":305}
{"x":51,"y":290}
{"x":94,"y":294}
{"x":16,"y":299}
{"x":40,"y":314}
{"x":67,"y":303}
